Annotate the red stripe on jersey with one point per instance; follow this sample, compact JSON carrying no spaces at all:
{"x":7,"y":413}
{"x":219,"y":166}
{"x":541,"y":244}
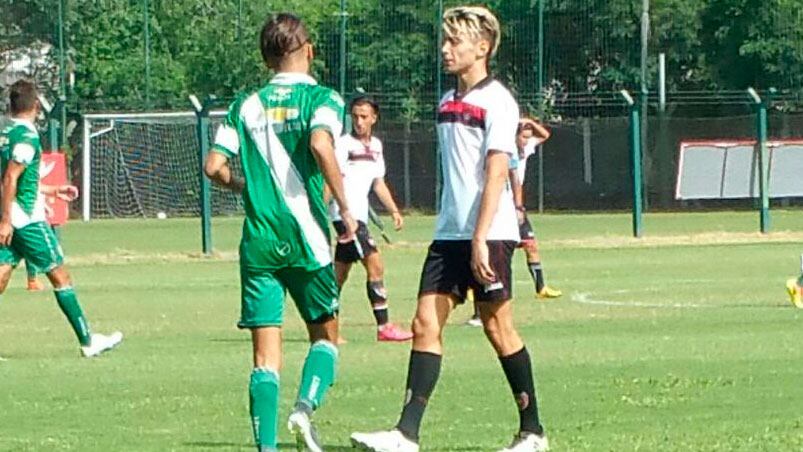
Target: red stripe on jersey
{"x":462,"y":112}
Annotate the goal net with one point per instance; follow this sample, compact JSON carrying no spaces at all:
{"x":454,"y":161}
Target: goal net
{"x":138,"y":165}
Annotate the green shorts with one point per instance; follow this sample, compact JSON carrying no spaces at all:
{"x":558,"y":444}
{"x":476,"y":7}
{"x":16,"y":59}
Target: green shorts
{"x":314,"y":292}
{"x":37,"y":244}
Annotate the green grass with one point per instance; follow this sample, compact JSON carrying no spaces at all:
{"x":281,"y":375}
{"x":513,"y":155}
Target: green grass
{"x":683,"y":340}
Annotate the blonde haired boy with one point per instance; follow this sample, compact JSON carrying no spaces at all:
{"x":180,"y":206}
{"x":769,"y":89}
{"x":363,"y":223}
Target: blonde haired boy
{"x":475,"y":235}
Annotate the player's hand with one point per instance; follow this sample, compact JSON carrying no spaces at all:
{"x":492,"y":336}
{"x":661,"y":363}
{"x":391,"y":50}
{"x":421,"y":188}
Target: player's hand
{"x":479,"y":262}
{"x":351,"y":227}
{"x":6,"y":232}
{"x":398,"y":221}
{"x":520,"y":216}
{"x":67,"y":192}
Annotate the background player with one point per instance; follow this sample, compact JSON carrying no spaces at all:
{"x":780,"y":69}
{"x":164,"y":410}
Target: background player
{"x":24,"y":232}
{"x":529,"y":135}
{"x":283,"y":135}
{"x":362,"y":163}
{"x":794,"y":287}
{"x":475,"y":235}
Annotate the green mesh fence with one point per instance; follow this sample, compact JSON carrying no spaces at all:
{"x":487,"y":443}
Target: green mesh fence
{"x":148,"y":55}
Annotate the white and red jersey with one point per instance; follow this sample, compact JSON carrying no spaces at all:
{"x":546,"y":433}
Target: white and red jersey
{"x":520,"y":162}
{"x":360,"y":165}
{"x":469,"y":126}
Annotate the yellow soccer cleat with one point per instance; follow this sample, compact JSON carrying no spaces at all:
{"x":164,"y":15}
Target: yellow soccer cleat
{"x":548,"y":292}
{"x":795,"y":292}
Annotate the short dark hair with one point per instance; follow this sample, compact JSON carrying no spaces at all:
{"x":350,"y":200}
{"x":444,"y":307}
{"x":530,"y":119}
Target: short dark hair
{"x":22,"y":97}
{"x":282,"y":34}
{"x":365,"y":100}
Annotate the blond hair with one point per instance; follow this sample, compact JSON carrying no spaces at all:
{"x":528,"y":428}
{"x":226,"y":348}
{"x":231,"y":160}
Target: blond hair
{"x":476,"y":22}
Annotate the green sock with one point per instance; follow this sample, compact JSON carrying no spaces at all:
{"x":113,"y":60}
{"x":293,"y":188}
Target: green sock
{"x":318,"y":374}
{"x":264,"y":396}
{"x":68,"y":303}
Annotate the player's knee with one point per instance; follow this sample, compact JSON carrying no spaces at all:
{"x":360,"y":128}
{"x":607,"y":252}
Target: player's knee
{"x":376,"y":292}
{"x":498,"y":330}
{"x":425,"y":327}
{"x":59,"y":278}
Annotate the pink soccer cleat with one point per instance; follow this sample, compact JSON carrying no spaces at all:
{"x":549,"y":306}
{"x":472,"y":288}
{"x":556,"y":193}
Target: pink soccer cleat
{"x":392,"y":333}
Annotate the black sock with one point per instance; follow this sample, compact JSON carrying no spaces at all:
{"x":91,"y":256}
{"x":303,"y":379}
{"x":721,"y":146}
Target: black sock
{"x":537,"y":274}
{"x":422,"y":375}
{"x":379,"y":300}
{"x":519,"y":373}
{"x":381,"y":314}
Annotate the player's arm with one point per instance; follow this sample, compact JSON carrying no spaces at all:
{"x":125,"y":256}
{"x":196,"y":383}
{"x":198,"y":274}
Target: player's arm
{"x":541,"y":132}
{"x":65,"y":192}
{"x":10,"y":179}
{"x":496,"y":176}
{"x":217,"y":169}
{"x":518,"y":194}
{"x":386,"y":198}
{"x":323,"y":149}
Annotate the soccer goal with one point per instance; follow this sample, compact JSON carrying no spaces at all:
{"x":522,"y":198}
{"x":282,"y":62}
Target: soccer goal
{"x":141,"y":165}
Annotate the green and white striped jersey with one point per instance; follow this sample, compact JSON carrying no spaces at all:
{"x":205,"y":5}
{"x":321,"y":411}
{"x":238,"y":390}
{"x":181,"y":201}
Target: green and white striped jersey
{"x":19,"y":142}
{"x":285,"y":216}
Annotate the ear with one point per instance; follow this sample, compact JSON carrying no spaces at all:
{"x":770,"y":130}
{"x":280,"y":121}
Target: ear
{"x":483,"y":48}
{"x":310,"y":51}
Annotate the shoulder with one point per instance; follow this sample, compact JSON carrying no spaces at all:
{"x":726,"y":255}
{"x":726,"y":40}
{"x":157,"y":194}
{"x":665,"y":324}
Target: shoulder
{"x":497,"y":91}
{"x":447,"y":96}
{"x":376,"y":143}
{"x":326,"y":95}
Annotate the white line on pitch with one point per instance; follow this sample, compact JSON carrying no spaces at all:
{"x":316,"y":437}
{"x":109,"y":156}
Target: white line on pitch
{"x":585,"y":298}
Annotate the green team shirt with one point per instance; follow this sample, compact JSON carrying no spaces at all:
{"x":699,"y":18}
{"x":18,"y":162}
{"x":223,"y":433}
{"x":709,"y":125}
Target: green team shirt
{"x":19,"y":142}
{"x":286,"y":223}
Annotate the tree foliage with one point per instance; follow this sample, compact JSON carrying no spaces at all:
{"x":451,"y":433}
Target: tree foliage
{"x":591,"y":46}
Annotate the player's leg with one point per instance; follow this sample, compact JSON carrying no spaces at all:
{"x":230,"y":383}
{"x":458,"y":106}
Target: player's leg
{"x":496,"y":311}
{"x":444,"y":281}
{"x":342,"y":270}
{"x":377,"y":296}
{"x":5,"y":276}
{"x":262,"y":305}
{"x":315,"y":294}
{"x":530,"y":245}
{"x":33,"y":283}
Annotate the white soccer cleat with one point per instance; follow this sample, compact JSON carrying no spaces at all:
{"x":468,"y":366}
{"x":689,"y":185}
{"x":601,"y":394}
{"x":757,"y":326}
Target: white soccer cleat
{"x":527,"y":442}
{"x":301,"y":427}
{"x":101,"y":343}
{"x":387,"y":441}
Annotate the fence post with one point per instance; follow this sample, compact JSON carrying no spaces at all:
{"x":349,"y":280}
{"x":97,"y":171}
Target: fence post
{"x":439,"y":88}
{"x":343,"y":59}
{"x":635,"y":162}
{"x":540,"y":100}
{"x":761,"y":106}
{"x":202,"y":129}
{"x":146,"y":27}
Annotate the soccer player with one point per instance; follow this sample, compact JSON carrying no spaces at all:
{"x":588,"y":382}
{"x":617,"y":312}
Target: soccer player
{"x":475,"y":235}
{"x":24,"y":233}
{"x":284,"y":136}
{"x":794,"y":287}
{"x":363,"y":166}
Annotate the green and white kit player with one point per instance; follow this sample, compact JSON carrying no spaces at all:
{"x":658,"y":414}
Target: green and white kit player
{"x":283,"y":135}
{"x":24,"y":232}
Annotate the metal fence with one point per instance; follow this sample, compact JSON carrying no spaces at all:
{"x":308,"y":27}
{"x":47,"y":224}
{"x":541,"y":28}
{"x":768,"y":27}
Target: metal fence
{"x":564,"y":59}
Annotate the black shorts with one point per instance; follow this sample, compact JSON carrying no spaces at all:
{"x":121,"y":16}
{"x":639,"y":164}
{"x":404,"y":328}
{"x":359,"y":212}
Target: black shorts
{"x":356,"y":250}
{"x":447,"y":270}
{"x":526,"y":233}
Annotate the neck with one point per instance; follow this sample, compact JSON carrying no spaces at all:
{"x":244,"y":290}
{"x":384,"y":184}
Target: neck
{"x":30,"y":117}
{"x":473,"y":75}
{"x":366,"y":137}
{"x":296,"y":66}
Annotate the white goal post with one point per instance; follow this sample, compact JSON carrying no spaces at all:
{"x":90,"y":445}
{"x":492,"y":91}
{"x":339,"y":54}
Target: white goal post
{"x":143,"y":164}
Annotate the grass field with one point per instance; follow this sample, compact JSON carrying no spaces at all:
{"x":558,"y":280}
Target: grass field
{"x":683,"y":340}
